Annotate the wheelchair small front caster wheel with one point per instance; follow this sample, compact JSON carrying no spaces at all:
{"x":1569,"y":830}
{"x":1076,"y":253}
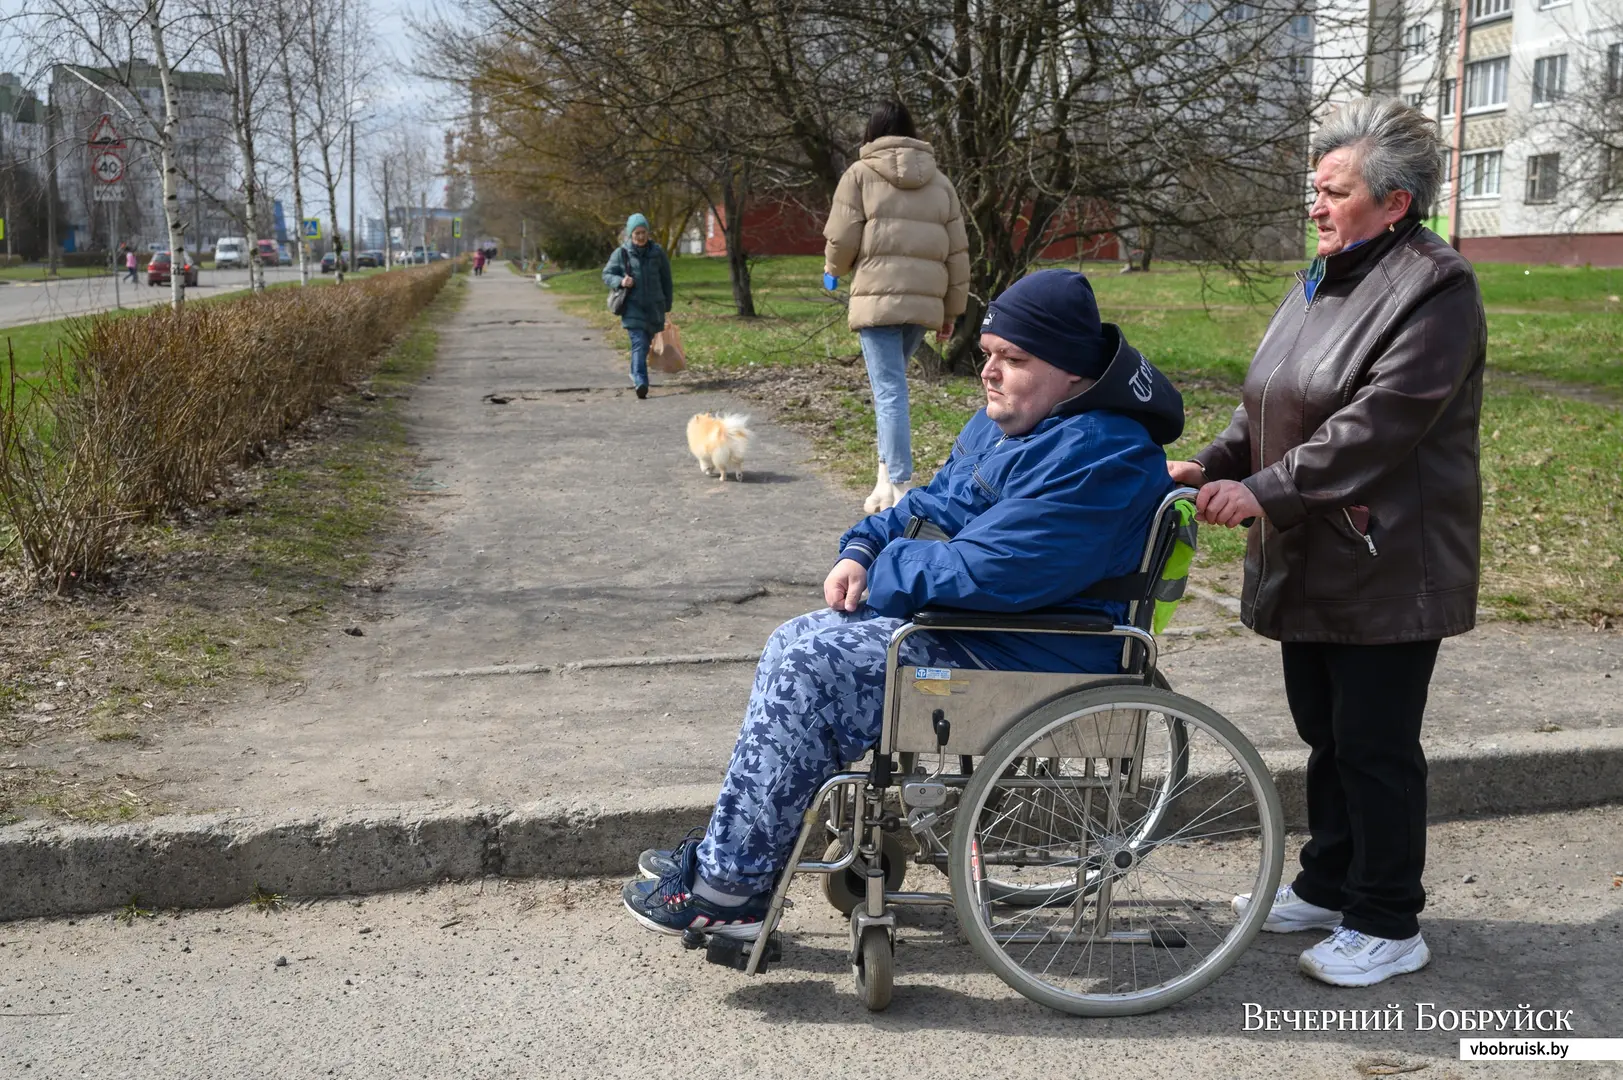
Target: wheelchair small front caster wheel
{"x":845,"y":890}
{"x":875,"y":968}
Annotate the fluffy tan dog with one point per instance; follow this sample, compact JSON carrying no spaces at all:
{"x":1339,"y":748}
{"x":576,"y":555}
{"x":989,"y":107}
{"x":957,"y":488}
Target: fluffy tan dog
{"x":719,"y":443}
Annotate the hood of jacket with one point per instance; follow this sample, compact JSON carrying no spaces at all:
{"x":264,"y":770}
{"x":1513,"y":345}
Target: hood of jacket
{"x":905,"y":163}
{"x":1133,"y":386}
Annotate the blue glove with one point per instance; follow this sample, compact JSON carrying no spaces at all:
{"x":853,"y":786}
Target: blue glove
{"x":830,"y":282}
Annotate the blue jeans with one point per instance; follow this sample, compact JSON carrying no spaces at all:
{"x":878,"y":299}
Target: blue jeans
{"x":640,"y":340}
{"x":816,"y":704}
{"x":887,"y":350}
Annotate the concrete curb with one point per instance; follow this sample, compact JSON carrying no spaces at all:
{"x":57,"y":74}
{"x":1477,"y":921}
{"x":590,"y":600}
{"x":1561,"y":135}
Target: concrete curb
{"x":215,"y":860}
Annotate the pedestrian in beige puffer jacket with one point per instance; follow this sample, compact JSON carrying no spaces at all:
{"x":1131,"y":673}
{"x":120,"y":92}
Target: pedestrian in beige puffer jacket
{"x":897,"y":220}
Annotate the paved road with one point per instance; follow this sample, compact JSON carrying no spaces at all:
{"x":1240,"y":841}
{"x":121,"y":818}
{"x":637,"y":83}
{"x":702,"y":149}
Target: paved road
{"x":550,"y":979}
{"x":29,"y":302}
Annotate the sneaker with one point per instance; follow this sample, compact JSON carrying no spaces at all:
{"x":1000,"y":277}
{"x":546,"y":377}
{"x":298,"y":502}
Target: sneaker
{"x":1349,"y":958}
{"x":642,"y":391}
{"x":668,"y":906}
{"x":656,"y":863}
{"x":1290,"y":914}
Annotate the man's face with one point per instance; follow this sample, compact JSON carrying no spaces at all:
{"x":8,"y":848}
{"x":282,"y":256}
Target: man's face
{"x":1020,"y":389}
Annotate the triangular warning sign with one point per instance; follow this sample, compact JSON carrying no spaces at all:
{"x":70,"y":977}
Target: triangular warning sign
{"x":104,"y":136}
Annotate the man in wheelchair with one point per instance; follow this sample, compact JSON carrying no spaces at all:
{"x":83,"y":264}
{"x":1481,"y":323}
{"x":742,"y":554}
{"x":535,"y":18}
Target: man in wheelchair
{"x":1049,"y":489}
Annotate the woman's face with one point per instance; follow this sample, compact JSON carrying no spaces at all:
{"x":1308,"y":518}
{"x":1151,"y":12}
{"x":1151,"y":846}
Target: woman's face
{"x":639,"y":235}
{"x":1343,"y":208}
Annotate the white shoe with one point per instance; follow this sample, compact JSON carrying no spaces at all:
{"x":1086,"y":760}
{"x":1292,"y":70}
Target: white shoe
{"x":1349,"y":958}
{"x":875,"y":502}
{"x":897,"y":491}
{"x":1290,"y":914}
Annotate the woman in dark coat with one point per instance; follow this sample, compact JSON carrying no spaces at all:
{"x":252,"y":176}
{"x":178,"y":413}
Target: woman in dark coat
{"x":640,"y":266}
{"x":1355,"y":455}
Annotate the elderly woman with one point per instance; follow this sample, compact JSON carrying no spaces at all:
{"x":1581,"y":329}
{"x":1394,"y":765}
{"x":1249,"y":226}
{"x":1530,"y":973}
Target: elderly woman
{"x":639,"y":266}
{"x":1354,"y":457}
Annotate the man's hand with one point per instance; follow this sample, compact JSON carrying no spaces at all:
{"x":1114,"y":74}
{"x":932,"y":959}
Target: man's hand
{"x":1226,"y":502}
{"x":1187,"y":473}
{"x":945,"y":333}
{"x":845,"y":585}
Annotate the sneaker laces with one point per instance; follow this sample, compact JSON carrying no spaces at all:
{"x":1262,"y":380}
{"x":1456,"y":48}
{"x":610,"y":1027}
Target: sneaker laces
{"x":1347,"y":941}
{"x":674,"y":883}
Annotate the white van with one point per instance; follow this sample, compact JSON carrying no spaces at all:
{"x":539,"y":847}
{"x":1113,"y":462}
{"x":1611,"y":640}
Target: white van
{"x":231,"y":252}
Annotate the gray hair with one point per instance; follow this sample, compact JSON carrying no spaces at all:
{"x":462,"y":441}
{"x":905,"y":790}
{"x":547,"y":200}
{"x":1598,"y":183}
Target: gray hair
{"x":1397,"y":148}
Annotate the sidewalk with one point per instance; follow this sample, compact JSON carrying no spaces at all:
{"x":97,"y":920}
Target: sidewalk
{"x":570,"y":524}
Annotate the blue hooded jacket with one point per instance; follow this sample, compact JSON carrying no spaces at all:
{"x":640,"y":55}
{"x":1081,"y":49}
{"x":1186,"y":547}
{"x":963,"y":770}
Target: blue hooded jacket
{"x":1034,"y":519}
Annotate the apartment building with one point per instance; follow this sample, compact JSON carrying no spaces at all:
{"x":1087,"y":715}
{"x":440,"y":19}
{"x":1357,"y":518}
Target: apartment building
{"x":206,"y":151}
{"x":1540,"y":178}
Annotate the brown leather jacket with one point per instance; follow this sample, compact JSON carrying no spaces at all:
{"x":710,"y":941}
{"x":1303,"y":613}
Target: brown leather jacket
{"x":1358,"y":434}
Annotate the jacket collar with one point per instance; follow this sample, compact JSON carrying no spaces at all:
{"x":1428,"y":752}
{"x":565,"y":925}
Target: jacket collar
{"x":1355,"y":262}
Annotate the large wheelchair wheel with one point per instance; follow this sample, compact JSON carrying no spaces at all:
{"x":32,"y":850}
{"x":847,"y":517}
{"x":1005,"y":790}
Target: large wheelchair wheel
{"x":1164,"y":754}
{"x":1152,"y":859}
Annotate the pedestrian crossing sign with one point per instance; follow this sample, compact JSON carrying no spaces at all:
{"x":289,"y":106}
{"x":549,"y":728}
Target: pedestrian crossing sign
{"x":312,"y":228}
{"x":456,"y":228}
{"x":2,"y":228}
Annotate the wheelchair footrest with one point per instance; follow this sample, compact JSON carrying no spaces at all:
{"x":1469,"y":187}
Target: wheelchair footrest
{"x":735,"y":954}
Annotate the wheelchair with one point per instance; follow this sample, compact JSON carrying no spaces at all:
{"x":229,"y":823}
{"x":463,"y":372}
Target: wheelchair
{"x":1093,"y":829}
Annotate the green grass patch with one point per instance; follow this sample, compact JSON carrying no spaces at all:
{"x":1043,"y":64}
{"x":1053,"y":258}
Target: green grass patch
{"x":36,"y":272}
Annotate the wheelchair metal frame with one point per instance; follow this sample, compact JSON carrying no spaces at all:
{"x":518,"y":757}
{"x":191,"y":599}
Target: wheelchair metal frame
{"x":864,"y":792}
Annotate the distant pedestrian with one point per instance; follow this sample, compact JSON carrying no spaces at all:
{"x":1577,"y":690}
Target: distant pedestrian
{"x":897,"y":220}
{"x":478,"y":263}
{"x":129,"y":263}
{"x":640,"y":267}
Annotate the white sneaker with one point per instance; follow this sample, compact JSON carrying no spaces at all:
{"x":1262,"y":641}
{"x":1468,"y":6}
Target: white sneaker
{"x":1349,"y":958}
{"x":1290,"y":914}
{"x":883,"y":496}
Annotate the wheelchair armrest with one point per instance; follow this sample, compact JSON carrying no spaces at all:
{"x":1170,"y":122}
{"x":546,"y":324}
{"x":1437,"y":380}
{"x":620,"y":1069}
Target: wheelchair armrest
{"x":1072,"y":622}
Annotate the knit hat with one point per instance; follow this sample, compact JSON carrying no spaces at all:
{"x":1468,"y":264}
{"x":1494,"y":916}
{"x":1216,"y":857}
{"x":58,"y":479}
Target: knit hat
{"x":1052,"y":315}
{"x":633,"y":221}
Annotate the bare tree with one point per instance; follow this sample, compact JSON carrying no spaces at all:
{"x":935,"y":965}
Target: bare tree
{"x":111,"y":33}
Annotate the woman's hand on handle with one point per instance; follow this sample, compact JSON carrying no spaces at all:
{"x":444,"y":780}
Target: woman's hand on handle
{"x":1228,"y":503}
{"x":1187,"y":473}
{"x":845,"y":585}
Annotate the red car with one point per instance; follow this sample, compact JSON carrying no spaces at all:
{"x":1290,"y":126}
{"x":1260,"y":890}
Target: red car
{"x":268,"y":253}
{"x":158,"y":270}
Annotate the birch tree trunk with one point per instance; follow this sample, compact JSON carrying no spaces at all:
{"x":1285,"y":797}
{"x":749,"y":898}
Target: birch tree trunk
{"x":166,"y":156}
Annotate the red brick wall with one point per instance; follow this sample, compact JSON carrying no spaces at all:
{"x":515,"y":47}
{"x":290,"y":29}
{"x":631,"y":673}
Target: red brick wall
{"x":1577,"y":249}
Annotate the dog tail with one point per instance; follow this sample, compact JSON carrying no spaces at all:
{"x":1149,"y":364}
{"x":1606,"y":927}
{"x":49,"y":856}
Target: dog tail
{"x":736,"y":425}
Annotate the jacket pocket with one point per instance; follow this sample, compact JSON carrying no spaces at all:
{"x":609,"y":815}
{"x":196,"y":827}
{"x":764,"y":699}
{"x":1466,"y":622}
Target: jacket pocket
{"x":1331,"y":552}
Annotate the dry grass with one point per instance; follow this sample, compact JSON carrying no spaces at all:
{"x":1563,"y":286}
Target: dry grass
{"x":139,"y":415}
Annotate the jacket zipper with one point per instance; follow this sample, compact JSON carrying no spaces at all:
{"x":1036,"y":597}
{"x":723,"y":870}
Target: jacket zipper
{"x":1369,"y":541}
{"x":1262,"y":428}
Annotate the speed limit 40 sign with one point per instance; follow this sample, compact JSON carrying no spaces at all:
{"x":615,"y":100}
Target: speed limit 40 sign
{"x":108,"y":167}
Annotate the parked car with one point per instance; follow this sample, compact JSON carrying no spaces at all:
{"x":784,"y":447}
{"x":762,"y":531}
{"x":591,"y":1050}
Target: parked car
{"x":329,"y":262}
{"x":159,"y":270}
{"x":421,"y":255}
{"x":284,"y":255}
{"x":267,"y":253}
{"x":369,"y":258}
{"x":231,"y":252}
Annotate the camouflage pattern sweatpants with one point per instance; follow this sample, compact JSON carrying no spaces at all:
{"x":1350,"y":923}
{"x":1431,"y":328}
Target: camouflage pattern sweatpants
{"x":816,"y":704}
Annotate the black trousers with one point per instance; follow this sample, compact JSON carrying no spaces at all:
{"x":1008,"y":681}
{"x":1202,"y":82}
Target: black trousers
{"x":1358,"y":708}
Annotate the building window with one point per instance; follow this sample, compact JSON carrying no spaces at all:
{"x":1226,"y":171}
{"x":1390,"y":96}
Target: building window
{"x":1614,"y":70}
{"x":1549,"y":79}
{"x":1545,"y":5}
{"x":1479,"y":174}
{"x":1414,"y":39}
{"x":1611,"y":174}
{"x":1485,"y":84}
{"x":1543,"y":174}
{"x":1489,"y":9}
{"x":1445,"y":100}
{"x":1445,"y":166}
{"x":1297,"y":66}
{"x":1301,"y":26}
{"x":1415,"y":101}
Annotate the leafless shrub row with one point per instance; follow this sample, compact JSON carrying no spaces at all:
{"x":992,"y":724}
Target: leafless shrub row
{"x":138,"y":415}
